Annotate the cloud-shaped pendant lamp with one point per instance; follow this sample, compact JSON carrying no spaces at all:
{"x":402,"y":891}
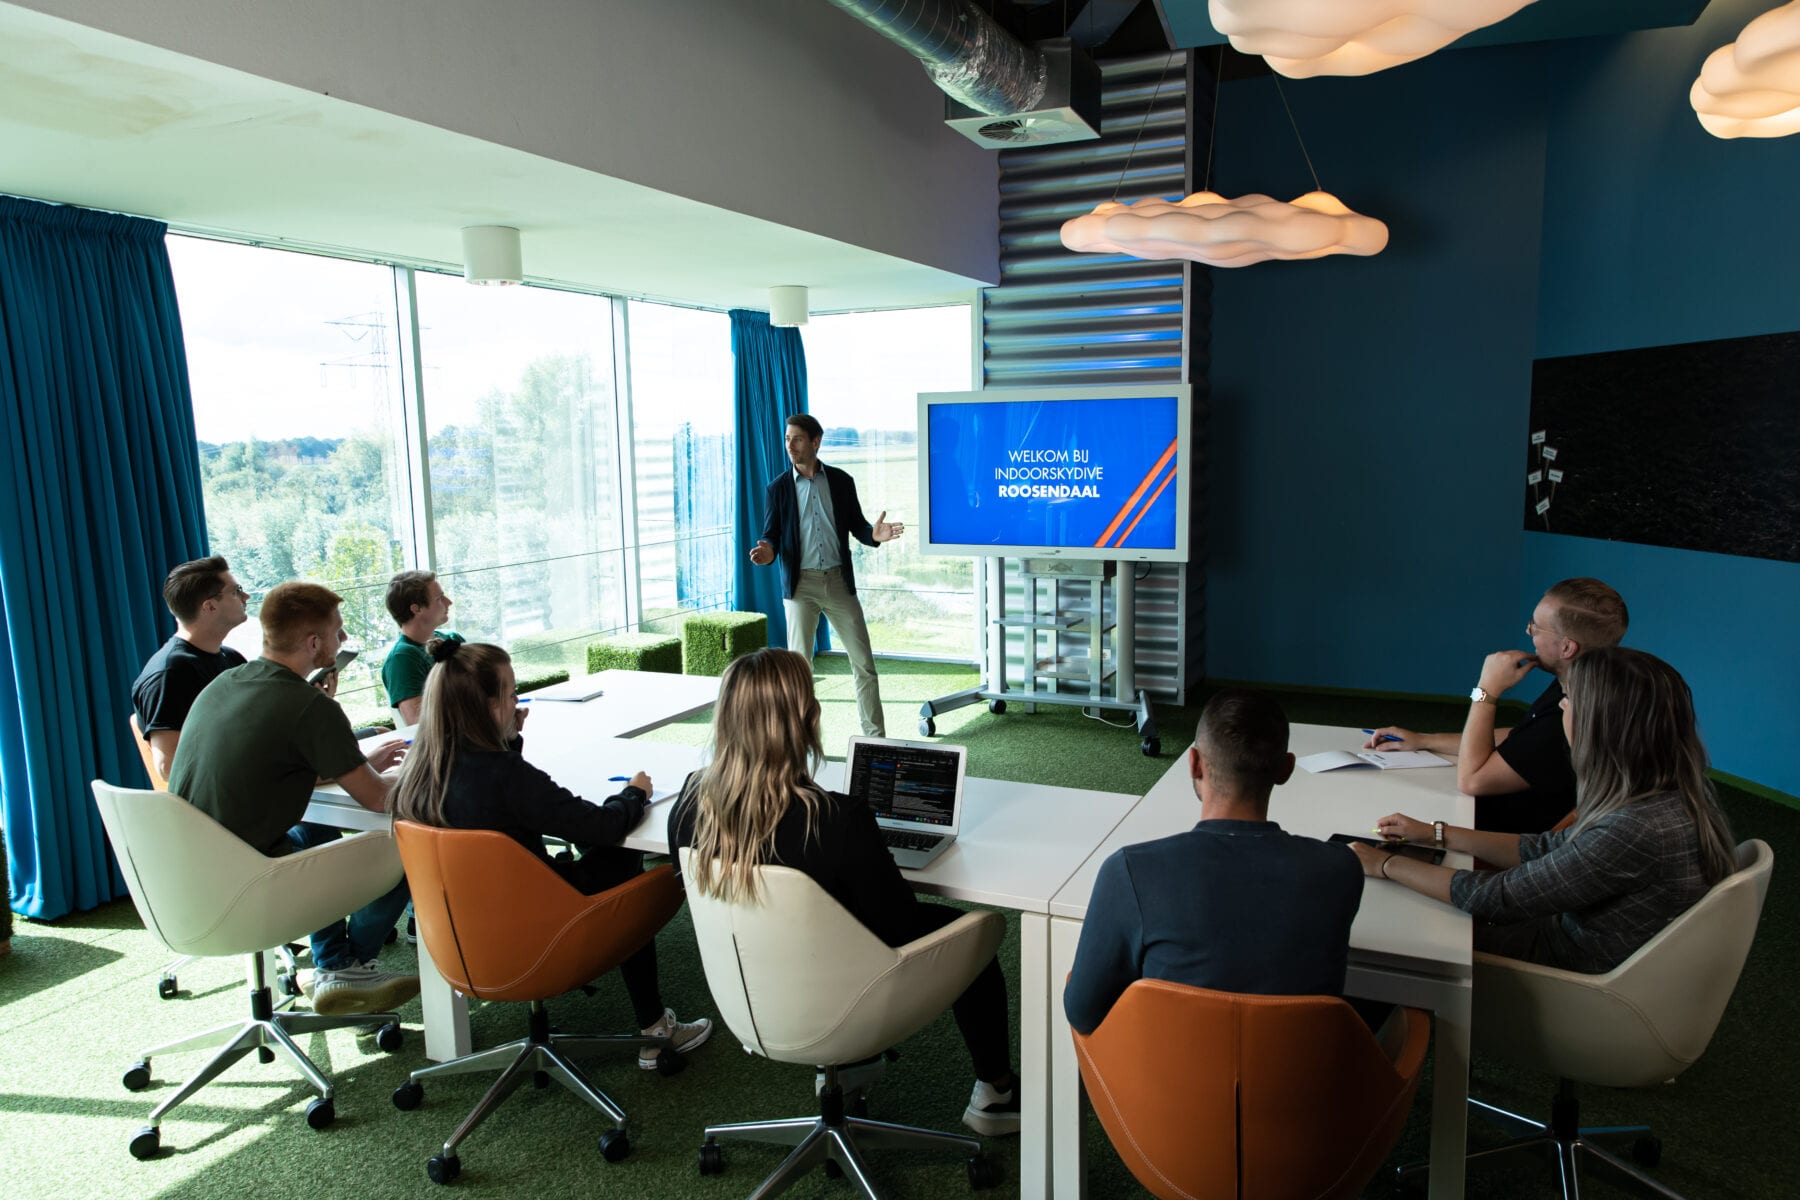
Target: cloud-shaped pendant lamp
{"x":1302,"y":38}
{"x":1751,"y":87}
{"x":1208,"y":228}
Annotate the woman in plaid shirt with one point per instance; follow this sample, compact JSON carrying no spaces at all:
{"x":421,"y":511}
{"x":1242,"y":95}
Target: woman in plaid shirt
{"x":1648,"y":838}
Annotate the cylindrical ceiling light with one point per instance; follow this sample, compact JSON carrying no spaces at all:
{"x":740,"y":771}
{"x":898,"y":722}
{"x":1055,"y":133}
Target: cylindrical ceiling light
{"x":491,"y":255}
{"x":787,"y":306}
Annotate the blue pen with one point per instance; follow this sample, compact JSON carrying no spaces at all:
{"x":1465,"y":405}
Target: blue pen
{"x":1386,"y":737}
{"x":618,"y":779}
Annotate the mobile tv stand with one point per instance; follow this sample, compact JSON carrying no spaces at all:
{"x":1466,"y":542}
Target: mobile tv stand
{"x":1065,"y":602}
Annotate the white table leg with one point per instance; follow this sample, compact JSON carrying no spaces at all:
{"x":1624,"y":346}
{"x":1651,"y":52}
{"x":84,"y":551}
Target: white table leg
{"x":446,"y":1012}
{"x":1034,"y":1071}
{"x":1450,"y":1091}
{"x":1068,"y":1148}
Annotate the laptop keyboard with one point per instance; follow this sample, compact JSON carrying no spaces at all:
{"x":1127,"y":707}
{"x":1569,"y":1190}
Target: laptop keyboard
{"x":900,"y":839}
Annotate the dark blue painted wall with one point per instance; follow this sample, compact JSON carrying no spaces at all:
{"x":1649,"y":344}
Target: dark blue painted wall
{"x":1371,"y":414}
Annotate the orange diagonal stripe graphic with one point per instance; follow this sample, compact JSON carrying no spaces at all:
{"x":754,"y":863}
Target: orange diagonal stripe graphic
{"x":1136,"y":495}
{"x":1148,"y":505}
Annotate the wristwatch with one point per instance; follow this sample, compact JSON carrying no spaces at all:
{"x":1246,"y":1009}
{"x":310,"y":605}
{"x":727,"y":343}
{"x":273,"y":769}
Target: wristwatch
{"x":1479,"y":695}
{"x":1437,"y":833}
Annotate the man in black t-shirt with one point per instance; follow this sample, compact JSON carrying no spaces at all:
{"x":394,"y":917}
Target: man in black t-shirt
{"x":1521,"y":777}
{"x":207,"y":604}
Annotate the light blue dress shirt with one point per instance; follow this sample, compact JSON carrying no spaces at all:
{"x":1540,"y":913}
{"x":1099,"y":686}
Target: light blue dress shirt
{"x":818,"y":522}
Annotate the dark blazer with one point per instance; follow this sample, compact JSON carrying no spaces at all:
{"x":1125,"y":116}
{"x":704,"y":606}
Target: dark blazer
{"x":781,"y":524}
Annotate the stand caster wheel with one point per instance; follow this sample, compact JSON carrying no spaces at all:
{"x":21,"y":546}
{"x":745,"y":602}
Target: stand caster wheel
{"x":984,"y":1172}
{"x":712,"y":1159}
{"x":1647,"y":1151}
{"x":264,"y":1054}
{"x":443,"y":1168}
{"x":137,"y":1078}
{"x":389,"y":1038}
{"x":146,"y":1142}
{"x":832,"y":1170}
{"x":670,"y":1063}
{"x":321,"y":1113}
{"x":996,"y":707}
{"x":409,"y":1096}
{"x":615,"y":1144}
{"x":1152,"y":747}
{"x":167,"y":987}
{"x":928,"y":728}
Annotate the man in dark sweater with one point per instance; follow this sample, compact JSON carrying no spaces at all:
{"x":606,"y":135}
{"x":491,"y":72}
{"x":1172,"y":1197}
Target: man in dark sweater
{"x":207,"y":603}
{"x":1234,"y":904}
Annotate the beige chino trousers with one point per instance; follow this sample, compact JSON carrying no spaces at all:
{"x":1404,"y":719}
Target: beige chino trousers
{"x":825,"y":592}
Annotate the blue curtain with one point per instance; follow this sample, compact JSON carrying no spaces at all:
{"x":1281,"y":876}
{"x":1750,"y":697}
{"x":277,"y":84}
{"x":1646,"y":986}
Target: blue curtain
{"x":99,"y":497}
{"x":770,"y":385}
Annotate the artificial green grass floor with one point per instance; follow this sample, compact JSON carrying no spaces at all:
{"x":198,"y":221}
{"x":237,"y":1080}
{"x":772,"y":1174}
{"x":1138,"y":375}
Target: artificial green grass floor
{"x":78,"y":1002}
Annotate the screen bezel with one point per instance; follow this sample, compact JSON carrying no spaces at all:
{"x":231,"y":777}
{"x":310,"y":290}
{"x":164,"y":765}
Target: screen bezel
{"x":1183,"y":395}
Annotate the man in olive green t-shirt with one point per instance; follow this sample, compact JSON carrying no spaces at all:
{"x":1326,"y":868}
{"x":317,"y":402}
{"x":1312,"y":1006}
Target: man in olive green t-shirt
{"x":418,"y":605}
{"x":254,"y":744}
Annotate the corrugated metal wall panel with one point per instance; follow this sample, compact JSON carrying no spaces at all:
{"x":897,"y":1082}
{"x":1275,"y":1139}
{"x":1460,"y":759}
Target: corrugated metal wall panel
{"x":1060,"y":318}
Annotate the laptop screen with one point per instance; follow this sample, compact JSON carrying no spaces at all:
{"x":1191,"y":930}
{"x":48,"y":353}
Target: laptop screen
{"x":907,"y":782}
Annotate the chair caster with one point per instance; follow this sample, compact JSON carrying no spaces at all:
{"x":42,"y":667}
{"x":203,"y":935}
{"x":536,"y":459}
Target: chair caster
{"x":996,"y":707}
{"x":264,"y":1054}
{"x":389,"y":1038}
{"x":287,"y":983}
{"x":712,"y":1158}
{"x":540,"y":1080}
{"x":443,"y":1168}
{"x":615,"y":1144}
{"x":393,"y":935}
{"x":146,"y":1142}
{"x":1647,"y":1151}
{"x":167,"y":987}
{"x":1151,"y":746}
{"x":670,"y":1063}
{"x":832,"y":1170}
{"x":984,"y":1172}
{"x":137,"y":1078}
{"x":321,"y":1113}
{"x":928,"y":728}
{"x":858,"y":1105}
{"x":409,"y":1096}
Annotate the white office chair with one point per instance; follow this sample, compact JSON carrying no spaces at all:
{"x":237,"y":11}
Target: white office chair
{"x":1640,"y":1024}
{"x":799,"y":980}
{"x":202,"y":890}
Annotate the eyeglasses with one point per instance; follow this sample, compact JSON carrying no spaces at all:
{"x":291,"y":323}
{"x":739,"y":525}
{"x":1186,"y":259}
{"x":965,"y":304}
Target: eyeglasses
{"x":1532,"y":629}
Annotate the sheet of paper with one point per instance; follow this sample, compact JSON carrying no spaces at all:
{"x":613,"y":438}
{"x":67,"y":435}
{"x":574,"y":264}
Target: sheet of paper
{"x":1380,"y":760}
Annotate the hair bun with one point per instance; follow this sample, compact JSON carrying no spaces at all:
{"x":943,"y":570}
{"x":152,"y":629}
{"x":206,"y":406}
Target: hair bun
{"x":442,"y":649}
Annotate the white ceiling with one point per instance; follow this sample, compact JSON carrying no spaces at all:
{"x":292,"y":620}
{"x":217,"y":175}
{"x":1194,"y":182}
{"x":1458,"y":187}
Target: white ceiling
{"x":93,"y":119}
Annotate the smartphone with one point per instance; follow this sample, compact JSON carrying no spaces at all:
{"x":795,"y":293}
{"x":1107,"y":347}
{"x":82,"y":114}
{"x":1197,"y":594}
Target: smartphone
{"x":345,"y":657}
{"x":1430,"y":854}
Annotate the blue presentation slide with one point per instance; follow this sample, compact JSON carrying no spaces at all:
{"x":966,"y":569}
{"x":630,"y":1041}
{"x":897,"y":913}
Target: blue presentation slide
{"x":1054,"y":473}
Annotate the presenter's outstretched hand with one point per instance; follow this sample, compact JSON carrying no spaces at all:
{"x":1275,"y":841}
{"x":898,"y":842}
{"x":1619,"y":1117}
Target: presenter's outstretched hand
{"x":762,"y":554}
{"x":886,"y":530}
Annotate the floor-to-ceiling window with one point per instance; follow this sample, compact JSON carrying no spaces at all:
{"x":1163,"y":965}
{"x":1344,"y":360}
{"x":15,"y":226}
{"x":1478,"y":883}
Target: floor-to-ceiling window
{"x":864,"y":373}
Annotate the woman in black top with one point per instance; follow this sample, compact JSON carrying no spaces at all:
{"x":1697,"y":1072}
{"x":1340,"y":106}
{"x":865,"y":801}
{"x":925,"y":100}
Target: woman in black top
{"x":756,"y":803}
{"x":467,"y":770}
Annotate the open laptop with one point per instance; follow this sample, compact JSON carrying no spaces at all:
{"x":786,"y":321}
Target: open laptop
{"x":915,"y":790}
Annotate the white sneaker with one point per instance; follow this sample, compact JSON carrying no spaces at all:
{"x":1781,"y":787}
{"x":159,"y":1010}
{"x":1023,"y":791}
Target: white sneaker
{"x":683,"y":1036}
{"x":992,"y":1112}
{"x":360,"y":989}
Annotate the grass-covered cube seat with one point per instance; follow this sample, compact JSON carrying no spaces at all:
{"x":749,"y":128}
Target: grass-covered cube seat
{"x":635,"y":652}
{"x":710,"y":640}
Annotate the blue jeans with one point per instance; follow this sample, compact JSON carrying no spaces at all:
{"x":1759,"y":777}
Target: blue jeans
{"x":343,"y":943}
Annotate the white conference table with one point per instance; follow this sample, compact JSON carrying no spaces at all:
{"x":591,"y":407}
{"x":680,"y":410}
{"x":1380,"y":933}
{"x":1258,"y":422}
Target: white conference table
{"x":1404,"y":948}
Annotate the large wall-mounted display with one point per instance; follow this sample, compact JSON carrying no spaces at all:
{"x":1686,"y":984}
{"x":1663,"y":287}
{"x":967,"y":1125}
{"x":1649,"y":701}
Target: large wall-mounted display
{"x":1094,"y":472}
{"x":1692,"y":446}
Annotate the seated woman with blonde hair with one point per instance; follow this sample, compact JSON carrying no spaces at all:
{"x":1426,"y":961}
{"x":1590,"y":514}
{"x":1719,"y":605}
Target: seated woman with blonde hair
{"x":467,"y":770}
{"x":1647,"y":842}
{"x":757,"y":804}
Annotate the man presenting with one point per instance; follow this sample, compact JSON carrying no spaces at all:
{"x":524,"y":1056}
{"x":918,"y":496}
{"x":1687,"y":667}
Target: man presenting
{"x":811,"y":511}
{"x":207,"y":604}
{"x":1234,"y":904}
{"x":256,"y":742}
{"x":1521,"y":777}
{"x":416,"y":601}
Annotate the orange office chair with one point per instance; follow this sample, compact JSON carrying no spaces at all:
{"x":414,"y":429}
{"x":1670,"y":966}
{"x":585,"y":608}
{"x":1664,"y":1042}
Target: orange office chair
{"x":1213,"y":1094}
{"x":500,"y":925}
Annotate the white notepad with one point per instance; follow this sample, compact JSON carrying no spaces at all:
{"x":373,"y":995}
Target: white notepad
{"x":1381,"y":760}
{"x":576,"y":691}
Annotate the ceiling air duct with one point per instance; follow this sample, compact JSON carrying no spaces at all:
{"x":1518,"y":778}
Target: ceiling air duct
{"x":998,"y":91}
